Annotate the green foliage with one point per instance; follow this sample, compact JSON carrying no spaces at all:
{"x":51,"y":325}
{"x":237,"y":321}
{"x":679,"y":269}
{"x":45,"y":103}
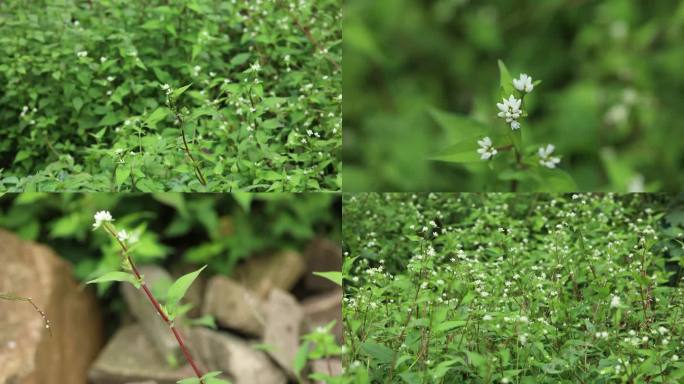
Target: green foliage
{"x":116,"y":276}
{"x":201,"y":229}
{"x":209,"y":378}
{"x":517,"y":288}
{"x":335,"y":277}
{"x":178,"y":289}
{"x":126,"y":96}
{"x":612,"y":115}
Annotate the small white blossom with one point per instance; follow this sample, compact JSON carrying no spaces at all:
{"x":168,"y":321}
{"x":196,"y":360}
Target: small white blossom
{"x":122,"y":235}
{"x":256,"y":67}
{"x":486,"y":150}
{"x":545,"y":157}
{"x":509,"y":110}
{"x":82,"y":53}
{"x":615,"y":301}
{"x":524,"y":83}
{"x":102,"y":217}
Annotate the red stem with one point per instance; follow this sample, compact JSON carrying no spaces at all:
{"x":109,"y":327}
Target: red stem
{"x":157,"y":306}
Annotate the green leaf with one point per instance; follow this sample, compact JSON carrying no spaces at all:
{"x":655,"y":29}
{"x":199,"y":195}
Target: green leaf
{"x":122,"y":174}
{"x":377,"y":351}
{"x":180,"y":91}
{"x":192,"y":380}
{"x":116,"y":276}
{"x":22,"y":155}
{"x":449,"y":325}
{"x":457,"y":126}
{"x":178,"y":289}
{"x":243,"y":199}
{"x":78,"y":103}
{"x":506,"y":81}
{"x":158,"y":115}
{"x":461,"y":152}
{"x":300,"y":359}
{"x":335,"y":277}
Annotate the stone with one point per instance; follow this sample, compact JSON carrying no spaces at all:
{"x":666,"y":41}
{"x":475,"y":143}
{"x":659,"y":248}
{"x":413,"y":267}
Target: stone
{"x":143,"y":311}
{"x":331,"y":366}
{"x":28,"y":353}
{"x":284,"y":318}
{"x":130,"y":357}
{"x":323,"y":308}
{"x":322,"y":255}
{"x":242,"y":363}
{"x":233,"y":306}
{"x":262,"y":273}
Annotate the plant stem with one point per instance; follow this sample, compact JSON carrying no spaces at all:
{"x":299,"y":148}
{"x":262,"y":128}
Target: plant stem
{"x":155,"y":303}
{"x":198,"y":171}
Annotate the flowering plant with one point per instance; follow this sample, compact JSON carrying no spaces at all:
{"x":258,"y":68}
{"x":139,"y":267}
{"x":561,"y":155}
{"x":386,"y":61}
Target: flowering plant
{"x":508,"y":152}
{"x":514,"y":288}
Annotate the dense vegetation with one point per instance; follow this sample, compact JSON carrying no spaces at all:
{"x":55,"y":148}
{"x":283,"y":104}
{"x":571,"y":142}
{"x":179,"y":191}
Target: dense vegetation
{"x":182,"y":95}
{"x":514,"y":288}
{"x":609,"y":100}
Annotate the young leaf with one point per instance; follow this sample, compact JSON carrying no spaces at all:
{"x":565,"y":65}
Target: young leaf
{"x":180,"y":91}
{"x":379,"y":352}
{"x":335,"y":277}
{"x":506,"y":80}
{"x":179,"y":287}
{"x":158,"y":115}
{"x":300,"y":359}
{"x":116,"y":276}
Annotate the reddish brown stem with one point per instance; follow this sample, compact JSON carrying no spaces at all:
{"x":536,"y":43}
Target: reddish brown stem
{"x":157,"y":306}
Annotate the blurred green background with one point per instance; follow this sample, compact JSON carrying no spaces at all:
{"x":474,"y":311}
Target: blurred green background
{"x":612,"y":87}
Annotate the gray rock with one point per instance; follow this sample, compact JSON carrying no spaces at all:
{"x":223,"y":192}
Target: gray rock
{"x":131,"y":356}
{"x":262,"y":273}
{"x":28,"y":353}
{"x":321,"y":309}
{"x":331,"y":366}
{"x":233,"y":306}
{"x":284,"y":319}
{"x":322,"y":255}
{"x":241,"y":362}
{"x":141,"y":308}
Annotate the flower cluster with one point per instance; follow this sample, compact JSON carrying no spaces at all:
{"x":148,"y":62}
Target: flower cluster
{"x":510,"y":111}
{"x":486,"y":151}
{"x":545,"y":157}
{"x":102,"y":217}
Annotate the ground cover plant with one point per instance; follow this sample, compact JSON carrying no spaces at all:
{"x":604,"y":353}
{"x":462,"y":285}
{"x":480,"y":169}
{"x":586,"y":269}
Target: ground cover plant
{"x":609,"y":100}
{"x":182,"y":95}
{"x":514,"y":288}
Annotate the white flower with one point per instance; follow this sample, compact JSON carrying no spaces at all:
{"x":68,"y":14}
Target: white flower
{"x":82,"y":53}
{"x":122,"y":235}
{"x":545,"y":157}
{"x":103,"y":59}
{"x":675,"y":357}
{"x":486,"y":150}
{"x":256,"y":67}
{"x":509,"y":110}
{"x":662,"y":330}
{"x":102,"y":217}
{"x":487,"y":317}
{"x":524,"y":83}
{"x":111,"y":78}
{"x":615,"y":301}
{"x":505,"y":380}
